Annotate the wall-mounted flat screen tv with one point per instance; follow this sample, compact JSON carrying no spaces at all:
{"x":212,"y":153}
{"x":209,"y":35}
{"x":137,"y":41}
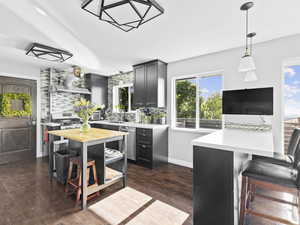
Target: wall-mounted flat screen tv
{"x":258,"y":101}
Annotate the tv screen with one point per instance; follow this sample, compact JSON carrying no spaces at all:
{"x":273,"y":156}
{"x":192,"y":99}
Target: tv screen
{"x":258,"y":101}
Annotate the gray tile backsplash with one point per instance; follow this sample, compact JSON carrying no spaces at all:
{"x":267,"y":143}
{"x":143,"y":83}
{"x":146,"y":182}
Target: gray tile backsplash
{"x":60,"y":101}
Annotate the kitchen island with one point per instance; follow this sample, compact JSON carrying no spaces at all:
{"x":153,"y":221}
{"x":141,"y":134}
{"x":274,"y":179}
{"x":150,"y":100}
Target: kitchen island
{"x":219,"y":159}
{"x":88,"y":140}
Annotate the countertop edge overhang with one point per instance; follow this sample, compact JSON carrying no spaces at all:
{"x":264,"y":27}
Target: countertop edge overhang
{"x":240,"y":141}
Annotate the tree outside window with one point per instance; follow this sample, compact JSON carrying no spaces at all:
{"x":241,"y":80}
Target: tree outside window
{"x":186,"y":103}
{"x":199,"y":102}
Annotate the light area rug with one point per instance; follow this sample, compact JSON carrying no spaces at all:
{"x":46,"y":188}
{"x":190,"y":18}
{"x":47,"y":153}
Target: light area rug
{"x":120,"y":205}
{"x":159,"y":213}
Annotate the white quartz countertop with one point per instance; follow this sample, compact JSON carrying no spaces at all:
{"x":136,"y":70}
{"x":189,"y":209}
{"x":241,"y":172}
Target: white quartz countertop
{"x":131,"y":124}
{"x":243,"y":141}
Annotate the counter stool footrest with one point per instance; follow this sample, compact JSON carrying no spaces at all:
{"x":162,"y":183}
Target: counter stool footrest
{"x":269,"y":217}
{"x":276,"y":200}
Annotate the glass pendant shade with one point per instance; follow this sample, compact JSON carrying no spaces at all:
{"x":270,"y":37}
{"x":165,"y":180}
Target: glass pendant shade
{"x":247,"y":64}
{"x":124,"y":14}
{"x":250,"y":76}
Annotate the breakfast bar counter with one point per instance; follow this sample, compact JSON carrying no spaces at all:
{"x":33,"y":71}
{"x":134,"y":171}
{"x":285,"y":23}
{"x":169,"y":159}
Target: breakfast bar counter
{"x":218,"y":161}
{"x":87,"y":140}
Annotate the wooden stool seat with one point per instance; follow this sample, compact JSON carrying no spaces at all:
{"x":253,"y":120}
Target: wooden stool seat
{"x":75,"y":183}
{"x":77,"y":161}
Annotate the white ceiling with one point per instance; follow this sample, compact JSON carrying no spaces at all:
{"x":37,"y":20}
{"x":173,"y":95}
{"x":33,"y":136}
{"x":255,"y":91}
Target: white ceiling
{"x":187,"y":29}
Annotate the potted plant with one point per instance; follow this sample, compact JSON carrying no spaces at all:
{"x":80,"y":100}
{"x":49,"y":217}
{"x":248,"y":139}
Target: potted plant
{"x":85,"y":109}
{"x":161,"y":118}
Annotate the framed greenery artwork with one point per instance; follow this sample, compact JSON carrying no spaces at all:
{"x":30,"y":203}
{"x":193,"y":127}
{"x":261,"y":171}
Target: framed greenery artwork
{"x":6,"y":108}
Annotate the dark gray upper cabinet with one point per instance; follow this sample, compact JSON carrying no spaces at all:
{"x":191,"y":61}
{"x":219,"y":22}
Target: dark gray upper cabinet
{"x":150,"y":84}
{"x":139,"y":86}
{"x":98,"y":86}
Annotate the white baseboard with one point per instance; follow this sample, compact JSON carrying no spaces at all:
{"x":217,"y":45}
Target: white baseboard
{"x":180,"y":162}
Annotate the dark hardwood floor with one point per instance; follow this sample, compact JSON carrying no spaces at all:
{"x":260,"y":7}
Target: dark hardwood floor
{"x":28,"y":198}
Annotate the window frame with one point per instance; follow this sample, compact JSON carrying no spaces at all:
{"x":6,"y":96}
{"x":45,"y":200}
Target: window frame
{"x":173,"y":101}
{"x":294,"y":61}
{"x":115,"y":95}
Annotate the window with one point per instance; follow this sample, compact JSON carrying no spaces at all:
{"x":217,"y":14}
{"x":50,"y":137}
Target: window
{"x":291,"y":101}
{"x":198,"y":102}
{"x":122,"y":98}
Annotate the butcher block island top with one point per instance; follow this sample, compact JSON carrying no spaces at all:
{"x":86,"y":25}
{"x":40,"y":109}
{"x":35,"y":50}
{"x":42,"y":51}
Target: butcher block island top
{"x":92,"y":135}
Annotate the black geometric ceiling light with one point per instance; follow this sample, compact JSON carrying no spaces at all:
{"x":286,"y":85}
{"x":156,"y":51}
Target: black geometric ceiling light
{"x":48,"y":53}
{"x":124,"y":14}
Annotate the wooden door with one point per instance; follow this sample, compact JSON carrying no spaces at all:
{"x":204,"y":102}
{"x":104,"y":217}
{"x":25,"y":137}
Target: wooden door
{"x":139,"y":87}
{"x":18,"y":134}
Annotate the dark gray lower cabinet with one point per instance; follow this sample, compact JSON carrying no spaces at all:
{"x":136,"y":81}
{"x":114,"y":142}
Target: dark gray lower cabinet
{"x":151,"y":146}
{"x":213,"y":202}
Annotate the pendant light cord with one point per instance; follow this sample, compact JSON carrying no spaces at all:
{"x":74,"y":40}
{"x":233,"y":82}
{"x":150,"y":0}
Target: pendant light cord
{"x":251,"y":46}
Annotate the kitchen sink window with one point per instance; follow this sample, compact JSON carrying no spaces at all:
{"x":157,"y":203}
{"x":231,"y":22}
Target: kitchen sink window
{"x":122,"y":98}
{"x":198,"y":102}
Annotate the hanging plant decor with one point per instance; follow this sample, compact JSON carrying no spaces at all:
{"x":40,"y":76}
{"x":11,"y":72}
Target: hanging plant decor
{"x":5,"y":105}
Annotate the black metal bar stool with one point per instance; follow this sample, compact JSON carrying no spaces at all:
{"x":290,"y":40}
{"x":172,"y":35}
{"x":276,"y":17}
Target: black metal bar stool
{"x":270,"y":177}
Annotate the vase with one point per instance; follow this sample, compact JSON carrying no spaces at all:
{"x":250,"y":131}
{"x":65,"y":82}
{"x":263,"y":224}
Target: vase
{"x":85,"y":126}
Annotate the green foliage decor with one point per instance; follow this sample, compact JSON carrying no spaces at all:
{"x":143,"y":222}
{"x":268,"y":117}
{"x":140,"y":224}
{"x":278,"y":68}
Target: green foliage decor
{"x":185,"y":99}
{"x":85,"y":109}
{"x":5,"y":105}
{"x":210,"y":108}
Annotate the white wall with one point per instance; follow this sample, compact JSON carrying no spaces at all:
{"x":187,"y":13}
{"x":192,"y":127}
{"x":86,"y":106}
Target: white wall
{"x":269,"y":58}
{"x":20,"y":70}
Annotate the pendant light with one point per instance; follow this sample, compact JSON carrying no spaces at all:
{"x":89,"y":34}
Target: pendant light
{"x":250,"y":75}
{"x":124,"y":14}
{"x":247,"y":64}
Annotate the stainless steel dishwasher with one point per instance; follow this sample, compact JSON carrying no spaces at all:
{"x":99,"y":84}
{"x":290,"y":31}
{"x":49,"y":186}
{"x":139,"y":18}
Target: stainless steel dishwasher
{"x":131,"y":145}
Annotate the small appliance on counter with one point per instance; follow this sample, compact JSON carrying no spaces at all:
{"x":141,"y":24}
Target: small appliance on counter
{"x":97,"y":116}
